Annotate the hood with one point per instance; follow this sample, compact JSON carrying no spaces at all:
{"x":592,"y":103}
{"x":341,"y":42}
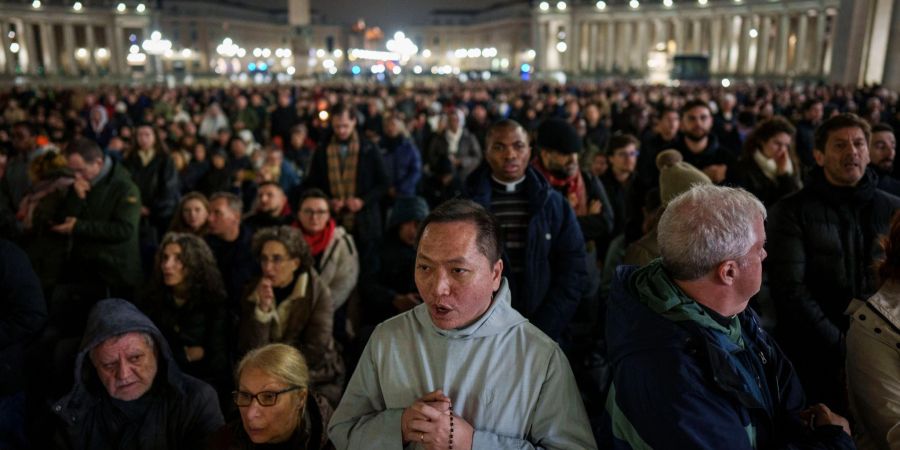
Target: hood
{"x":112,"y":317}
{"x":499,"y":318}
{"x":645,"y":306}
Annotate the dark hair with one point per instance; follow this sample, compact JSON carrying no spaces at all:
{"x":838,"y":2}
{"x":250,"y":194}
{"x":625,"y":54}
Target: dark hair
{"x":840,"y":121}
{"x":808,"y":104}
{"x":341,"y":108}
{"x":234,"y":202}
{"x":204,"y":282}
{"x":84,"y":147}
{"x":889,"y":267}
{"x":312,"y":193}
{"x":459,"y":210}
{"x":178,"y":224}
{"x":502,"y":125}
{"x":620,"y":140}
{"x":666,"y":110}
{"x":32,"y":130}
{"x":765,"y":131}
{"x":694,"y":104}
{"x":881,"y":128}
{"x":291,"y":238}
{"x":269,"y":183}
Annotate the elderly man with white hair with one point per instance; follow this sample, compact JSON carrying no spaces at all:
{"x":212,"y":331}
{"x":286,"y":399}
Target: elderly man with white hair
{"x":692,"y":368}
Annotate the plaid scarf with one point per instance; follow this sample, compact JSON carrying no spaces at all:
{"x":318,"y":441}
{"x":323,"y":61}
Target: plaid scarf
{"x":575,"y":190}
{"x":342,"y":173}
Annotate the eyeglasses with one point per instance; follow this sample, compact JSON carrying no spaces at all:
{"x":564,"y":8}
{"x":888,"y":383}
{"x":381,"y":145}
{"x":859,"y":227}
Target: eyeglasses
{"x":314,"y":212}
{"x":265,"y":398}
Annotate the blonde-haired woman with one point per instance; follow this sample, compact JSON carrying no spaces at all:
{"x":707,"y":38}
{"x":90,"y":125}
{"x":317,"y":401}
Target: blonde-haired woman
{"x":276,"y":404}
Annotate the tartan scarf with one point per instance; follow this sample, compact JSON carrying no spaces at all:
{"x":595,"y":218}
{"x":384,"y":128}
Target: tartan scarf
{"x":342,"y":173}
{"x":575,"y":190}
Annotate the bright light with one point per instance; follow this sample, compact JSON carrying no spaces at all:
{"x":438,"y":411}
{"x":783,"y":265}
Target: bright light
{"x":257,"y":52}
{"x":11,"y":34}
{"x":531,"y":54}
{"x":754,"y":33}
{"x":101,"y":53}
{"x":396,"y":70}
{"x":333,"y":70}
{"x":251,"y":66}
{"x":14,"y":47}
{"x":337,"y":53}
{"x":667,"y":3}
{"x":77,"y":6}
{"x":156,"y":45}
{"x":426,"y":53}
{"x":134,"y":49}
{"x":402,"y":45}
{"x":417,"y":70}
{"x":287,"y":62}
{"x":168,"y":53}
{"x":373,"y":55}
{"x":323,"y":115}
{"x":36,"y":4}
{"x":187,"y":53}
{"x":634,"y":4}
{"x":266,"y":53}
{"x":328,"y":63}
{"x":241,"y":52}
{"x":156,"y":35}
{"x":121,"y":7}
{"x":726,"y":82}
{"x":377,"y":68}
{"x":287,"y":53}
{"x":320,"y":53}
{"x":601,"y":5}
{"x":137,"y":58}
{"x":473,"y":53}
{"x":227,"y":42}
{"x":460,"y":53}
{"x":434,"y":70}
{"x":544,"y":6}
{"x":702,"y":2}
{"x":526,"y":67}
{"x":489,"y":52}
{"x":141,"y":8}
{"x":291,"y":70}
{"x":81,"y":53}
{"x":561,"y":47}
{"x":561,"y":6}
{"x":355,"y":70}
{"x":263,"y":66}
{"x":278,"y":53}
{"x":399,"y":36}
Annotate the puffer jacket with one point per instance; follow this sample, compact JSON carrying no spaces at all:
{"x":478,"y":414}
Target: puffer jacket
{"x":339,"y":266}
{"x":554,"y":279}
{"x":683,"y":380}
{"x":873,"y":368}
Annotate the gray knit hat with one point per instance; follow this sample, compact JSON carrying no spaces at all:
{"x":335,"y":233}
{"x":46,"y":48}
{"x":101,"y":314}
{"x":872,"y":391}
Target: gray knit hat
{"x":676,"y":176}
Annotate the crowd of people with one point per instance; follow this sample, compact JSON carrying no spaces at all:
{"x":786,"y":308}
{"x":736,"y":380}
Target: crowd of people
{"x":449,"y":265}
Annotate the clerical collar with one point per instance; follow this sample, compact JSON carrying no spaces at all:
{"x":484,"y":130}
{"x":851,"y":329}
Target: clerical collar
{"x":509,"y":186}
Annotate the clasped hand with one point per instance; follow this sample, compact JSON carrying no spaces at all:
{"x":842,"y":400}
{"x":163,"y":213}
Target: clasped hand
{"x":428,"y":422}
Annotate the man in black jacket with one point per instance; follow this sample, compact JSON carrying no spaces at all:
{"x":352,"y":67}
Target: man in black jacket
{"x":129,"y":393}
{"x":822,"y":243}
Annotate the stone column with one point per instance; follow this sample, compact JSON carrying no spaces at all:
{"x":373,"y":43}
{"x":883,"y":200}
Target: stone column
{"x":678,"y":30}
{"x":818,"y":53}
{"x":696,"y":36}
{"x":7,"y":61}
{"x":25,"y":46}
{"x":625,"y":35}
{"x":781,"y":50}
{"x":715,"y":45}
{"x":801,"y":58}
{"x":48,"y":45}
{"x":90,"y":45}
{"x":592,"y":47}
{"x":762,"y":49}
{"x":743,"y":57}
{"x":574,"y":41}
{"x":68,"y":54}
{"x":610,"y":56}
{"x":639,"y":57}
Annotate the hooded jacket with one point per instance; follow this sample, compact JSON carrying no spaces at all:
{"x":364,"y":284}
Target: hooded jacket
{"x":554,"y":278}
{"x":408,"y":357}
{"x":684,"y":380}
{"x":181,"y":411}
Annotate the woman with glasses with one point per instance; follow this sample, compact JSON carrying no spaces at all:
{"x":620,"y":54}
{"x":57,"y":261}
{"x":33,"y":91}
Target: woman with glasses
{"x":278,"y":410}
{"x":290,"y":304}
{"x":332,"y":248}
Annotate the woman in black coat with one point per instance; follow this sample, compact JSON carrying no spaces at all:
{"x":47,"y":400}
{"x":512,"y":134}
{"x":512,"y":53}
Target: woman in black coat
{"x":769,"y":167}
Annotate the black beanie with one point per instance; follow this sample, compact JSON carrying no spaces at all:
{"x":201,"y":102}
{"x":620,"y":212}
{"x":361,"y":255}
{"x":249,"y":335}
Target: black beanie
{"x":559,"y":136}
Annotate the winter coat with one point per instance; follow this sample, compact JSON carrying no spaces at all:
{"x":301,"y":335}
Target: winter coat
{"x":338,"y":266}
{"x":750,"y":176}
{"x":310,"y":433}
{"x":371,"y":185}
{"x":105,"y":237}
{"x":468,"y":154}
{"x":160,"y":189}
{"x":403,"y":165}
{"x":873,"y":368}
{"x":182,"y":412}
{"x":822,"y":242}
{"x":408,"y":356}
{"x":23,"y":313}
{"x":304,"y":320}
{"x":393,"y":275}
{"x":554,"y":277}
{"x":683,"y":380}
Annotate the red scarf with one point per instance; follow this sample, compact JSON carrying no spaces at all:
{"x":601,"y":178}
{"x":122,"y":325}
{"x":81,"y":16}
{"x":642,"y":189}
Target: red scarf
{"x":574,"y":187}
{"x":319,"y":241}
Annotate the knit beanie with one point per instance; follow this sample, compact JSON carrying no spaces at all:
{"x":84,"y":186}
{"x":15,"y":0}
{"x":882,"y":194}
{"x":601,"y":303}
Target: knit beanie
{"x":676,"y":176}
{"x":407,"y":208}
{"x":559,"y":136}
